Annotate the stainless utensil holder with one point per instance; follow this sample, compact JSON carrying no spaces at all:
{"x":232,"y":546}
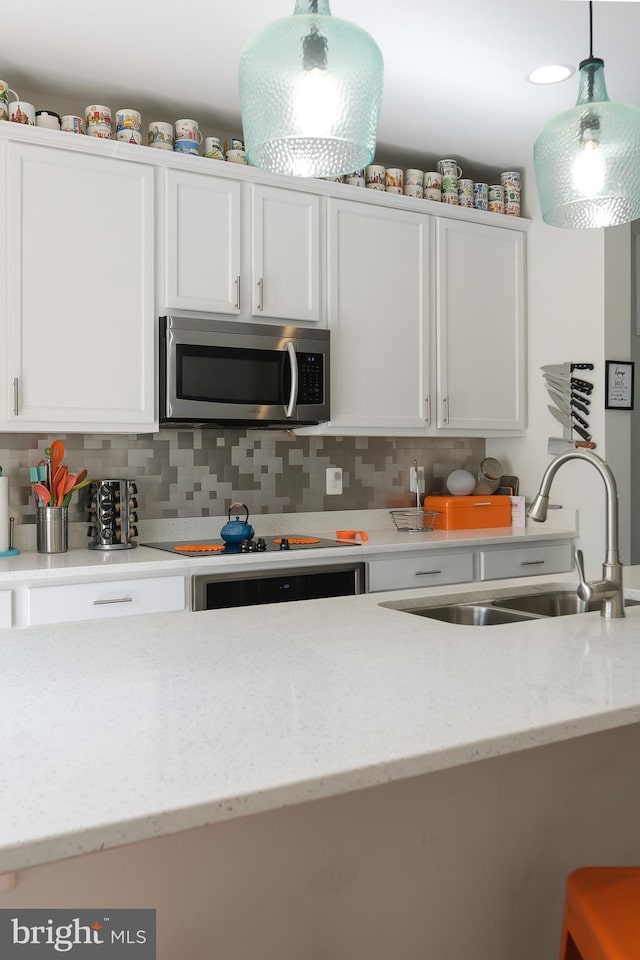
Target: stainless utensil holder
{"x":112,"y":514}
{"x":52,"y":529}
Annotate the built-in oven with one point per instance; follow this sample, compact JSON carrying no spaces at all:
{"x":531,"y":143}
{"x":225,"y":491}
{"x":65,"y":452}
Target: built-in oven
{"x":228,"y":372}
{"x":213,"y":591}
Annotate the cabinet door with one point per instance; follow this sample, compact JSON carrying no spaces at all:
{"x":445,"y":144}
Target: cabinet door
{"x":80,"y":306}
{"x":480,"y":326}
{"x":200,"y":243}
{"x":378,"y":264}
{"x":285,"y":249}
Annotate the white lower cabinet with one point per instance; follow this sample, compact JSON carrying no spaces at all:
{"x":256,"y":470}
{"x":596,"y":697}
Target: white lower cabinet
{"x":67,"y":603}
{"x":438,"y":567}
{"x":6,"y":608}
{"x":525,"y":561}
{"x":430,"y":569}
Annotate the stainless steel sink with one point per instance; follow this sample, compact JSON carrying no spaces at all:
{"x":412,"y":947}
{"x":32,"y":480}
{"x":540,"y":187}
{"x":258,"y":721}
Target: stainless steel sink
{"x":491,"y":611}
{"x":555,"y":603}
{"x":471,"y":614}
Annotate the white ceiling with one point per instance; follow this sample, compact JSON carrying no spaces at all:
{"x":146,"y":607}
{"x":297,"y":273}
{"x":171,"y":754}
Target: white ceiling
{"x":454,"y":69}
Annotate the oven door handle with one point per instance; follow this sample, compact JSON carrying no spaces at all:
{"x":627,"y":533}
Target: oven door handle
{"x":293,"y":396}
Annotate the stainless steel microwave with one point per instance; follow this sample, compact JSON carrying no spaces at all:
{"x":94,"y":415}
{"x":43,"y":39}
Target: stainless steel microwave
{"x":229,"y":372}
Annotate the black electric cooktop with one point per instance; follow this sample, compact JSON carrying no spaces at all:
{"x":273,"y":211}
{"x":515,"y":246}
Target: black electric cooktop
{"x":218,"y":548}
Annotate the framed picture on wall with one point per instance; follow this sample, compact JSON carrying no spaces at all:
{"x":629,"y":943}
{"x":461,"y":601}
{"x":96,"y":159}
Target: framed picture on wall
{"x":619,"y":386}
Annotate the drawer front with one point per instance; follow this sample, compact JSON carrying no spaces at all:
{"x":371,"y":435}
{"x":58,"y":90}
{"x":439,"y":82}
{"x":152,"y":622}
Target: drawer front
{"x":525,"y":561}
{"x":427,"y":571}
{"x":99,"y":601}
{"x":6,"y":618}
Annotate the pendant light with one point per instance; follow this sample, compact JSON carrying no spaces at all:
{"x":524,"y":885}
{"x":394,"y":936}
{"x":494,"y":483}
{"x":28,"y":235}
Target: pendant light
{"x":587,"y":160}
{"x":310,"y":92}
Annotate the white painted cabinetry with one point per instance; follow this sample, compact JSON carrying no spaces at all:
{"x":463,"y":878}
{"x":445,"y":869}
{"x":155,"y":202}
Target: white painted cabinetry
{"x":427,"y":319}
{"x":435,"y":567}
{"x":78,"y":312}
{"x":378,"y":272}
{"x":101,"y":600}
{"x":480,"y":328}
{"x":239,"y":248}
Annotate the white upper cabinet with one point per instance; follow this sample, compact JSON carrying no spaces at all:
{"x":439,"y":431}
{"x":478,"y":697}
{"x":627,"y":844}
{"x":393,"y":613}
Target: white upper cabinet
{"x":78,"y":313}
{"x":378,"y":288}
{"x":480,"y":327}
{"x":285,"y":255}
{"x":238,"y":248}
{"x":200,"y":243}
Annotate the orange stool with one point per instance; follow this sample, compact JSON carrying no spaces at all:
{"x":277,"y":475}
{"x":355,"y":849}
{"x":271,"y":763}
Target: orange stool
{"x":602,"y":914}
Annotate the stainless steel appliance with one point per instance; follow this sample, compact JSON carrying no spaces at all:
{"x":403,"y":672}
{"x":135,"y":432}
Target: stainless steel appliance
{"x":227,"y":372}
{"x":112,"y":515}
{"x":213,"y":591}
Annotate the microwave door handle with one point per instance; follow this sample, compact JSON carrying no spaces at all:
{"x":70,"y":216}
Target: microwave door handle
{"x":293,"y":396}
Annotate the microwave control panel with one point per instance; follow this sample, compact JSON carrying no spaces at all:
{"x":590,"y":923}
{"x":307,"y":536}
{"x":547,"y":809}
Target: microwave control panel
{"x":310,"y":378}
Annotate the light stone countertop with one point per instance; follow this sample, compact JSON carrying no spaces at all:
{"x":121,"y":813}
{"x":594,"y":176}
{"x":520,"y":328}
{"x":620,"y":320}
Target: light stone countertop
{"x":79,"y":562}
{"x":118,"y":731}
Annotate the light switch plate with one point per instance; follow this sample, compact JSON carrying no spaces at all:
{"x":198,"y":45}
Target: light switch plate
{"x":334,"y":480}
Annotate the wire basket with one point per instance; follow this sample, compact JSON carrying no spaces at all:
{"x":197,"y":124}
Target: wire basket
{"x":414,"y":519}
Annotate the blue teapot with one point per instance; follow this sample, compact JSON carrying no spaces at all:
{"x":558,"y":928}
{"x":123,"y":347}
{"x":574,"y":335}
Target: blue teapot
{"x":235,"y":531}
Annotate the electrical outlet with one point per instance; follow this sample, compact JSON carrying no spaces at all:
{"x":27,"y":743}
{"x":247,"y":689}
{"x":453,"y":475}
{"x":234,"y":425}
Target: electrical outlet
{"x":334,"y":480}
{"x":412,"y":480}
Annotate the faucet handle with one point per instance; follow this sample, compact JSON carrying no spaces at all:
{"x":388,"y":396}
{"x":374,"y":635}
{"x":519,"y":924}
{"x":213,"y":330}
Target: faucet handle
{"x":584,"y":589}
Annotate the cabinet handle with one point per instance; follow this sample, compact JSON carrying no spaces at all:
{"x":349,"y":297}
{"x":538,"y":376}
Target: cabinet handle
{"x":427,"y":410}
{"x":15,"y":396}
{"x":482,"y":503}
{"x":237,"y":293}
{"x":426,"y":573}
{"x":531,"y":563}
{"x":98,"y":603}
{"x":445,"y":410}
{"x":261,"y":293}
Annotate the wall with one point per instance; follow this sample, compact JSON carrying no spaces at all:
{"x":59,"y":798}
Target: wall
{"x":578,"y":310}
{"x":463,"y":863}
{"x":192,"y":473}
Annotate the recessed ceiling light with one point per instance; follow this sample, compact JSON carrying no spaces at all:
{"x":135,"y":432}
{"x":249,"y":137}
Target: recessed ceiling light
{"x":552,"y":73}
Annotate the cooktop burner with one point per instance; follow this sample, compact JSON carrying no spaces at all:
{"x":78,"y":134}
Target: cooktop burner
{"x":218,"y":548}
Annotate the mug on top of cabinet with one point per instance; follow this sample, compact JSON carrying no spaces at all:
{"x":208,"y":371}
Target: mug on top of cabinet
{"x":187,"y":130}
{"x":160,"y":135}
{"x":128,"y":119}
{"x":71,"y":124}
{"x":186,"y":145}
{"x":97,"y":113}
{"x":5,"y":91}
{"x":22,"y":112}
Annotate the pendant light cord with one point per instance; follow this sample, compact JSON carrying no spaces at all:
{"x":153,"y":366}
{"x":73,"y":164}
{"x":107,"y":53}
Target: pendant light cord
{"x":590,"y":30}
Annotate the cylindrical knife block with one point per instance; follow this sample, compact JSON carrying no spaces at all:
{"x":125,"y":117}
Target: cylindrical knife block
{"x":112,"y":515}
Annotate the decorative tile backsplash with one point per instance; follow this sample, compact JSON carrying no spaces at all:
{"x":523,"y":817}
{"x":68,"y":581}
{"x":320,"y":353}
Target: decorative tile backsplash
{"x":194,"y":473}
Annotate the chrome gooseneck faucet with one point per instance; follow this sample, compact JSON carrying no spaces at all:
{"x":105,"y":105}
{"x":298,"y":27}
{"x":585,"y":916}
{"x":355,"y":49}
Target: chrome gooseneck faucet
{"x":609,"y":588}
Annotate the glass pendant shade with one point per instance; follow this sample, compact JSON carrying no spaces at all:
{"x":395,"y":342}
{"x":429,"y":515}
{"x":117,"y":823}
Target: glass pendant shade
{"x":587,"y":160}
{"x":310,"y":93}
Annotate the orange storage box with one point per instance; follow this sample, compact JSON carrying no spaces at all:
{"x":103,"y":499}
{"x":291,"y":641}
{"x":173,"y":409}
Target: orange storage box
{"x":469,"y":513}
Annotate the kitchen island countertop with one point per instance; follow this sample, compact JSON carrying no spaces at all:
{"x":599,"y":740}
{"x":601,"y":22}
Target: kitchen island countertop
{"x":117,"y":731}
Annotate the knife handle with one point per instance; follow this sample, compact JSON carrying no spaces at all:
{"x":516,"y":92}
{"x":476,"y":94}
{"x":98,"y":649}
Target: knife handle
{"x":589,"y":444}
{"x":582,"y":433}
{"x":581,"y":404}
{"x":578,"y":419}
{"x":581,"y":366}
{"x":583,"y":385}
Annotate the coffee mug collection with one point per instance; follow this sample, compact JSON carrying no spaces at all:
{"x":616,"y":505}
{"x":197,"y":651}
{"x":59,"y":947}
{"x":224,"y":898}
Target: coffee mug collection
{"x":445,"y":184}
{"x":183,"y":136}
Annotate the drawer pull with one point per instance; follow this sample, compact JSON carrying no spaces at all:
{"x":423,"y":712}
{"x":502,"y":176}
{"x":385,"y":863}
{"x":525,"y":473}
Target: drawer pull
{"x":531,"y":563}
{"x":426,"y":573}
{"x":483,"y":503}
{"x":97,"y":603}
